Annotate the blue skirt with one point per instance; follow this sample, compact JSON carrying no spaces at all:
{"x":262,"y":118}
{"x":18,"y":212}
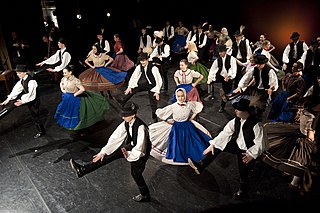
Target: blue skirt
{"x":67,"y":113}
{"x":111,"y":75}
{"x":281,"y":110}
{"x":179,"y":43}
{"x":186,"y":141}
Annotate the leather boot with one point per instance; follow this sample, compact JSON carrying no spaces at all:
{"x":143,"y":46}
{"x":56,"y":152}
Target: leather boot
{"x":79,"y":169}
{"x":242,"y":192}
{"x":3,"y":112}
{"x":144,"y":195}
{"x":41,"y":131}
{"x":202,"y":164}
{"x":86,"y":169}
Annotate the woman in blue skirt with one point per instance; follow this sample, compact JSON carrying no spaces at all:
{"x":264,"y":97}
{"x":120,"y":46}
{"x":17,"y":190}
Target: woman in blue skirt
{"x":78,"y":108}
{"x":176,"y":139}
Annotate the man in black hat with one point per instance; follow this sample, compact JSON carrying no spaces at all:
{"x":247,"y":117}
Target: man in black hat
{"x":24,"y":93}
{"x":130,"y":140}
{"x":56,"y":63}
{"x":145,"y":41}
{"x":161,"y":55}
{"x":224,"y":70}
{"x":260,"y":82}
{"x":243,"y":136}
{"x":145,"y":77}
{"x":311,"y":63}
{"x":293,"y":51}
{"x":242,"y":51}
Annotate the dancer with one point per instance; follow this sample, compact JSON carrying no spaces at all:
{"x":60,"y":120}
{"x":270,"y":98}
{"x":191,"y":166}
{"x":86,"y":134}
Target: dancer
{"x":176,"y":139}
{"x":25,"y":92}
{"x":130,"y":140}
{"x":78,"y":108}
{"x":100,"y":76}
{"x":243,"y":136}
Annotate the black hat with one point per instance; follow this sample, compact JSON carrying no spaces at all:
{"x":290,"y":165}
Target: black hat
{"x":260,"y":59}
{"x":314,"y":43}
{"x":21,"y":68}
{"x":62,"y":40}
{"x":242,"y":105}
{"x":143,"y":56}
{"x":158,"y":40}
{"x":238,"y":33}
{"x":222,"y":48}
{"x":129,"y":109}
{"x":294,"y":35}
{"x":156,"y":60}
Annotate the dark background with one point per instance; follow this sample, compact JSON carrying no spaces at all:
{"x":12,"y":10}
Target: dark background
{"x":278,"y":19}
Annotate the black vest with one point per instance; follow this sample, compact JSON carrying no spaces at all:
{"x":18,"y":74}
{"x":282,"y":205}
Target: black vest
{"x":167,"y":32}
{"x":242,"y":48}
{"x":264,"y":75}
{"x":227,"y":64}
{"x":144,"y":39}
{"x":148,"y":73}
{"x":299,"y":50}
{"x":312,"y":56}
{"x":60,"y":59}
{"x":26,"y":90}
{"x":247,"y":130}
{"x":131,"y":141}
{"x":199,"y":39}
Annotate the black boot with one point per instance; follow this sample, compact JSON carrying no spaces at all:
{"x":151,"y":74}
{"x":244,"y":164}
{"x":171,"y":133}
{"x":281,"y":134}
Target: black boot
{"x":86,"y":169}
{"x":79,"y":169}
{"x":3,"y":112}
{"x":41,"y":131}
{"x":144,"y":195}
{"x":222,"y":105}
{"x":242,"y":192}
{"x":202,"y":164}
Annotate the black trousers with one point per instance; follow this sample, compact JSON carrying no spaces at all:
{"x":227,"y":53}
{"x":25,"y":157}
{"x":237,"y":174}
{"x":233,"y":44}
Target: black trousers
{"x":137,"y":168}
{"x":164,"y":68}
{"x":152,"y":99}
{"x":226,"y":87}
{"x":32,"y":106}
{"x":232,"y":147}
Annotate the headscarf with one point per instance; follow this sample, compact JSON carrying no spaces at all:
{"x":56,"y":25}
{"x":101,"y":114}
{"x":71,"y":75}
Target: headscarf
{"x":184,"y":94}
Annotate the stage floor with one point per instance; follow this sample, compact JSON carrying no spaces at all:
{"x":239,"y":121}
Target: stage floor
{"x":36,"y":175}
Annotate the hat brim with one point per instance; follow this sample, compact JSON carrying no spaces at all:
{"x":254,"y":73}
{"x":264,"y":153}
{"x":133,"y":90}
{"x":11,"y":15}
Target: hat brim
{"x":264,"y":61}
{"x":240,"y":108}
{"x":128,"y":113}
{"x":142,"y":58}
{"x":156,"y":60}
{"x":21,"y":70}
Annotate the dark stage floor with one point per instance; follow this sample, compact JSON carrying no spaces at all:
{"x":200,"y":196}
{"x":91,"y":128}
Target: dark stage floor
{"x":36,"y":175}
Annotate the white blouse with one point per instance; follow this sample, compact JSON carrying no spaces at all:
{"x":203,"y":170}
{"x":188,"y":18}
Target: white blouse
{"x":179,"y":113}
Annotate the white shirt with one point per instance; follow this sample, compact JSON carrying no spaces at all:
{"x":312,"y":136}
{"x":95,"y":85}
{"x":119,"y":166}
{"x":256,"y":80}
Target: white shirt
{"x":65,"y":57}
{"x":18,"y":88}
{"x":285,"y":55}
{"x":224,"y":73}
{"x":149,"y":42}
{"x":164,"y":54}
{"x":133,"y":82}
{"x":204,"y":42}
{"x":224,"y":137}
{"x":248,"y":76}
{"x":119,"y":136}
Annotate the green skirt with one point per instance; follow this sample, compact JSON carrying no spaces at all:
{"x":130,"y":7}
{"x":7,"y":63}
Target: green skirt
{"x":92,"y":109}
{"x":202,"y":69}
